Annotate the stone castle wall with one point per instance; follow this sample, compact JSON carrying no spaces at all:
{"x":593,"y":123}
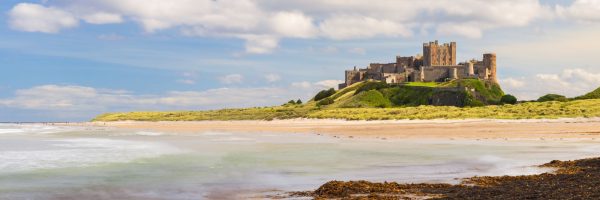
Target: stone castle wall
{"x":435,"y":54}
{"x":438,"y":64}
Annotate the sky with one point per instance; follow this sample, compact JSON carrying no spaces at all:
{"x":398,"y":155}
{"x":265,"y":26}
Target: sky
{"x":69,"y":60}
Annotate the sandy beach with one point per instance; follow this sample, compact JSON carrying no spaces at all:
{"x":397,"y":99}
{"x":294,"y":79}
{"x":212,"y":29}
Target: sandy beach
{"x":542,"y":129}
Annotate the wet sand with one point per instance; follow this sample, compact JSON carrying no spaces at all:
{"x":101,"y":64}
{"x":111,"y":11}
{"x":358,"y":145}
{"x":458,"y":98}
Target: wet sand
{"x":555,"y":129}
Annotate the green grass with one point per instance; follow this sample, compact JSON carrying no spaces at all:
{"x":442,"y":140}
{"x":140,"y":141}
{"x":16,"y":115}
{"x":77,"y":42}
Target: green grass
{"x":491,"y":92}
{"x":552,"y":97}
{"x":423,"y":84}
{"x":530,"y":110}
{"x":408,"y":95}
{"x":270,"y":113}
{"x":368,"y":99}
{"x":410,"y":102}
{"x":592,"y":95}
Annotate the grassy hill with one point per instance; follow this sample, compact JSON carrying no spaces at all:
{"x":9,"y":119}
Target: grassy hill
{"x":377,"y":101}
{"x":464,"y":92}
{"x":592,"y":95}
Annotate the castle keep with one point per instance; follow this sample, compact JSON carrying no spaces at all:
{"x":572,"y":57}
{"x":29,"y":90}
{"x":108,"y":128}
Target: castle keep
{"x":437,"y":64}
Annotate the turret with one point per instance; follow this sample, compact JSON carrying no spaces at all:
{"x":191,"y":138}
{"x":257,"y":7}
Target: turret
{"x":470,"y":69}
{"x":422,"y":73}
{"x":453,"y":73}
{"x":489,"y":61}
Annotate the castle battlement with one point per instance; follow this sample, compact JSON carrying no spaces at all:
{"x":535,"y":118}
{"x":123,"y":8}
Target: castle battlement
{"x":437,"y":64}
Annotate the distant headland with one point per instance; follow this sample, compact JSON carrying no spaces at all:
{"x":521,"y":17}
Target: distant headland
{"x":427,"y":86}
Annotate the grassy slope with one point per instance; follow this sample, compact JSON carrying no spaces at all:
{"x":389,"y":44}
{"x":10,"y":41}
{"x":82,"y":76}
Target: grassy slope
{"x":423,"y":84}
{"x":592,"y":95}
{"x":531,"y":110}
{"x":270,"y":113}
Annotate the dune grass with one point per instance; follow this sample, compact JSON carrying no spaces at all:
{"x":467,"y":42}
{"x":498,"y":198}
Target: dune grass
{"x":367,"y":105}
{"x":269,"y":113}
{"x":531,"y":110}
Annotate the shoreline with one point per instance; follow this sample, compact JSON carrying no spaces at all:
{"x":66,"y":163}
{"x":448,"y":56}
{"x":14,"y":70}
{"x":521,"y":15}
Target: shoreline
{"x":577,"y":179}
{"x":527,"y":129}
{"x":538,"y":131}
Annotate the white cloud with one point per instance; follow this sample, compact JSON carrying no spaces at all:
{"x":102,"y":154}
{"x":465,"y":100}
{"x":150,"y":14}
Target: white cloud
{"x":293,"y":24}
{"x":351,"y":27}
{"x":188,"y":78}
{"x":570,"y":82}
{"x":465,"y":30}
{"x":103,"y":18}
{"x":260,"y":44}
{"x":231,"y":79}
{"x":263,"y":23}
{"x":272,"y":78}
{"x":302,"y":85}
{"x":80,"y":98}
{"x":512,"y":82}
{"x":36,"y":18}
{"x":319,"y":85}
{"x":325,"y":84}
{"x":581,"y":10}
{"x":83,"y":103}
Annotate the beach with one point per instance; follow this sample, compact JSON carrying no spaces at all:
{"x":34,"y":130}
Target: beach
{"x":474,"y":129}
{"x":275,"y":159}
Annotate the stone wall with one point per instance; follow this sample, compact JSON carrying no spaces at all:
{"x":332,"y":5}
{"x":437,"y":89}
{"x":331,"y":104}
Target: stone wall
{"x":354,"y":76}
{"x":438,"y":63}
{"x":434,"y":54}
{"x":431,"y":74}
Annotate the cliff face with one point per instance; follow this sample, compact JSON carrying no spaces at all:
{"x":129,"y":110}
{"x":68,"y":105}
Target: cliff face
{"x":449,"y":98}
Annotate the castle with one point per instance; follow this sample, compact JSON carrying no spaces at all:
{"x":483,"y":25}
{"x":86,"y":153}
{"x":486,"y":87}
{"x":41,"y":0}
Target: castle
{"x":437,"y":64}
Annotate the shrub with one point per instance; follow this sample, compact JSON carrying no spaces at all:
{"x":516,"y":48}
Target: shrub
{"x":408,"y":95}
{"x":471,"y":101}
{"x":325,"y":101}
{"x":371,"y":98}
{"x":552,"y":97}
{"x":371,"y":86}
{"x":324,"y":94}
{"x":508,"y":99}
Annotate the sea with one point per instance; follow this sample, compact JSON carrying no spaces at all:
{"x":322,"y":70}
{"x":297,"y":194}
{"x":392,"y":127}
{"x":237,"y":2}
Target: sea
{"x":45,"y":161}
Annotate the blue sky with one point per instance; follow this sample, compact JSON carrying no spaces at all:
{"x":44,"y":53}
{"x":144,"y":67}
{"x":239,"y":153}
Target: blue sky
{"x":72,"y":59}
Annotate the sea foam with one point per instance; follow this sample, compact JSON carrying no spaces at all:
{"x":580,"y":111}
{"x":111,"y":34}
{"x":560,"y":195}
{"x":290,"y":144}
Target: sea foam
{"x":81,"y":153}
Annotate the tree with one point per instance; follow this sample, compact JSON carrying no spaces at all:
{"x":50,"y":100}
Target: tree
{"x":508,"y":99}
{"x":325,"y":101}
{"x":324,"y":94}
{"x":299,"y":101}
{"x":552,"y":97}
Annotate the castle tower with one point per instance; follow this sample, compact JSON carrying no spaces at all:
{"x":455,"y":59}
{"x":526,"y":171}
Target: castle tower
{"x":421,"y":74}
{"x":453,"y":73}
{"x":470,"y":69}
{"x":489,"y":61}
{"x":452,"y":59}
{"x":435,"y":54}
